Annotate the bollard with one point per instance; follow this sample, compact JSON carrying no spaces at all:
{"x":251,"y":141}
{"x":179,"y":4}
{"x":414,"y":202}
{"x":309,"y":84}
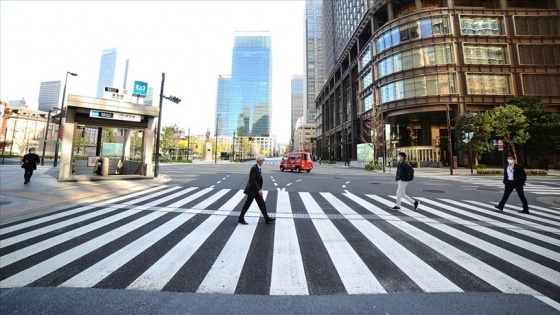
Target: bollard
{"x":105,"y":166}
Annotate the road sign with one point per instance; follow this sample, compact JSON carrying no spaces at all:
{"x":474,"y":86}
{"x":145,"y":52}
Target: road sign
{"x":500,"y":145}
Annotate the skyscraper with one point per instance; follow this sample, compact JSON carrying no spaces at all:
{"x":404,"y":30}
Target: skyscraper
{"x":49,"y":94}
{"x":314,"y":57}
{"x":106,"y":70}
{"x":297,"y":102}
{"x":250,"y":107}
{"x":223,"y":104}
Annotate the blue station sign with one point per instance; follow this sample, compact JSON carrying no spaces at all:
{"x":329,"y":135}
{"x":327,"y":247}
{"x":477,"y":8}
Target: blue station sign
{"x":140,"y":89}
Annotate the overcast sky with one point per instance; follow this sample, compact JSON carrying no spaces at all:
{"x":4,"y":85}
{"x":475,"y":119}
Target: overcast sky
{"x":191,"y":41}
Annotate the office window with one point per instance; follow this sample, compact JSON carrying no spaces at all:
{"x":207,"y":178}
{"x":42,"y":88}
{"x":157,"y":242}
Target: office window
{"x":539,"y":55}
{"x":541,"y":84}
{"x":481,"y":25}
{"x":488,"y":84}
{"x":414,"y":58}
{"x":537,"y":25}
{"x":435,"y":84}
{"x":485,"y":54}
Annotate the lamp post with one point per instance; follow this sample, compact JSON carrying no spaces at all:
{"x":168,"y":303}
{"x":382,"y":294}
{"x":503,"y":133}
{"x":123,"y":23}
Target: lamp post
{"x":469,"y":137}
{"x":46,"y":133}
{"x":449,"y":140}
{"x":62,"y":113}
{"x":175,"y":100}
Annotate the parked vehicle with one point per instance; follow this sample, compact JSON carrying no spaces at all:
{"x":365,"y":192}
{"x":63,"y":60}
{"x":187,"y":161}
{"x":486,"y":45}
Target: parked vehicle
{"x":297,"y":161}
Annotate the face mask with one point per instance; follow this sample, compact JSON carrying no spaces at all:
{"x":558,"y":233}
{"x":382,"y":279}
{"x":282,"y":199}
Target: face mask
{"x":510,"y":161}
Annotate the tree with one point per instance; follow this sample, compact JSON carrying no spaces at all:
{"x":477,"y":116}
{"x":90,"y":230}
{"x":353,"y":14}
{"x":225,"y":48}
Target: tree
{"x":167,"y":141}
{"x":543,"y":126}
{"x":80,"y":142}
{"x":509,"y":123}
{"x":108,"y":135}
{"x":481,"y":126}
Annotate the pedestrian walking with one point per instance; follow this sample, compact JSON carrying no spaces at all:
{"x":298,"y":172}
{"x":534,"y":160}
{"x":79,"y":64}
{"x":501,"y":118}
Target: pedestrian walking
{"x":253,"y":190}
{"x":29,"y":164}
{"x":514,"y":178}
{"x":405,"y":174}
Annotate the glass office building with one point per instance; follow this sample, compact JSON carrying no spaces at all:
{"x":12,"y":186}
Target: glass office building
{"x":106,"y":70}
{"x":250,"y":107}
{"x":223,"y":105}
{"x":49,"y":95}
{"x":410,"y":67}
{"x":314,"y":57}
{"x":297,"y":102}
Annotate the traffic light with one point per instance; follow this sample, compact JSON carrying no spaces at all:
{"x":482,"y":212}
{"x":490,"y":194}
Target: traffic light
{"x":174,"y":99}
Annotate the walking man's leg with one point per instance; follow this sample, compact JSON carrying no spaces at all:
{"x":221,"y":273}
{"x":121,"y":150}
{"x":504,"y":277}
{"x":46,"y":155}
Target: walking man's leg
{"x":507,"y":191}
{"x":246,"y":206}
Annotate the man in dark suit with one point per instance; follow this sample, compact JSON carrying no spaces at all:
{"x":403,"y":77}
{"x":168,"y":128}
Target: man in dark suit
{"x":514,"y":178}
{"x":30,"y":161}
{"x":253,"y":190}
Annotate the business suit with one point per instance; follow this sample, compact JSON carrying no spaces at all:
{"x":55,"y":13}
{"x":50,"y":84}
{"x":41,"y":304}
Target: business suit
{"x":30,"y":161}
{"x":514,"y":178}
{"x":253,"y":190}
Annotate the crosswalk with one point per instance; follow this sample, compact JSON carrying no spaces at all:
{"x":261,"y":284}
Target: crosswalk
{"x":186,"y":239}
{"x":533,"y":185}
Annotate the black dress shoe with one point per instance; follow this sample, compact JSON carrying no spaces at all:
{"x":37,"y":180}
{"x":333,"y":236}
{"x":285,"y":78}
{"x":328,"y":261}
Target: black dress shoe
{"x":523,"y":211}
{"x":242,"y":222}
{"x":499,"y":209}
{"x":267,"y":221}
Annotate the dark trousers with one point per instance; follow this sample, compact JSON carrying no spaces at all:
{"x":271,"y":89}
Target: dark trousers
{"x":249,"y":201}
{"x":509,"y":188}
{"x":28,"y":173}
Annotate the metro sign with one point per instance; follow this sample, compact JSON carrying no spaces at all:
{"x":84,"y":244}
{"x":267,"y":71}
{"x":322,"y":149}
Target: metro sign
{"x":140,"y":89}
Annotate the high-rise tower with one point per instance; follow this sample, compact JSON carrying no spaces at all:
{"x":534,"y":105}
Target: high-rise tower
{"x":223,"y":105}
{"x":250,"y":107}
{"x":297,"y":102}
{"x":49,"y":95}
{"x":314,"y":57}
{"x":106,"y":70}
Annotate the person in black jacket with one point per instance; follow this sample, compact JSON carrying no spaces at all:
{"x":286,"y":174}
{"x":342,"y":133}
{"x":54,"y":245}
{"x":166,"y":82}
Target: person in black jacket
{"x":403,"y":177}
{"x":30,"y":161}
{"x":253,"y":190}
{"x":514,"y":178}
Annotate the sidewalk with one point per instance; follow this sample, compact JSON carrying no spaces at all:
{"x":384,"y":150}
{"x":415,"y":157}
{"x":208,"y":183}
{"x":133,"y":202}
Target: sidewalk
{"x":46,"y":194}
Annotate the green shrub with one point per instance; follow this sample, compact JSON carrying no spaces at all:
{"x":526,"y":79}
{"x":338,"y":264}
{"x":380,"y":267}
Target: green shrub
{"x":371,"y":166}
{"x":494,"y":171}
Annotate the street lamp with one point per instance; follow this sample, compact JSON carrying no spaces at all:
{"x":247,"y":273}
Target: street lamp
{"x":62,"y":113}
{"x":468,"y":138}
{"x":175,"y":100}
{"x":46,"y":133}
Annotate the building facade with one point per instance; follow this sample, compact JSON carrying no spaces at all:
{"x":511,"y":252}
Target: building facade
{"x":297,"y":104}
{"x":49,"y":95}
{"x":250,"y":106}
{"x":314,"y":57}
{"x":223,"y":105}
{"x":411,"y":67}
{"x":107,"y":69}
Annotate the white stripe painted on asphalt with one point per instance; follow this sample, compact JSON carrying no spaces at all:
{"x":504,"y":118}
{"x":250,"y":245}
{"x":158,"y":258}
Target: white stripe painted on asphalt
{"x":210,"y":200}
{"x":355,"y":275}
{"x":539,"y":270}
{"x":528,"y":232}
{"x":226,"y":270}
{"x":53,"y":241}
{"x":426,"y":277}
{"x":73,"y":211}
{"x":42,"y":269}
{"x":288,"y":274}
{"x":494,"y":277}
{"x":94,"y":274}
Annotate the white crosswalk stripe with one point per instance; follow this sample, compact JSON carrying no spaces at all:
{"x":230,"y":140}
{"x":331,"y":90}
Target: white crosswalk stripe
{"x":531,"y":186}
{"x":475,"y":247}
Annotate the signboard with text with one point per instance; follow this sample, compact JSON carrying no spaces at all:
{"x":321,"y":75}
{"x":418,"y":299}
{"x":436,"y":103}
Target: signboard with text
{"x":115,"y":94}
{"x":114,"y":115}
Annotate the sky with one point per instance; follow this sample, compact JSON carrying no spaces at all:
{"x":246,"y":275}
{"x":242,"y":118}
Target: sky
{"x":190,"y":41}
